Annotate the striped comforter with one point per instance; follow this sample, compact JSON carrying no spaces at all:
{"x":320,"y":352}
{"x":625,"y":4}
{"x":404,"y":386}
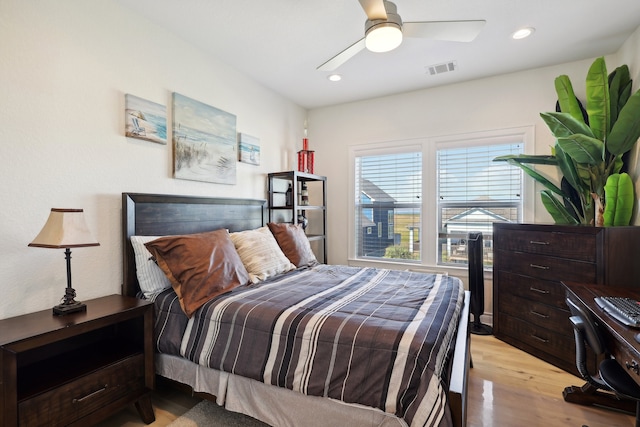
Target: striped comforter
{"x":375,"y":337}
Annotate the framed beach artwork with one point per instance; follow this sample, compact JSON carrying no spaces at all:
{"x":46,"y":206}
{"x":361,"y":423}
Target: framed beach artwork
{"x":204,"y":140}
{"x":248,"y":149}
{"x":145,"y":119}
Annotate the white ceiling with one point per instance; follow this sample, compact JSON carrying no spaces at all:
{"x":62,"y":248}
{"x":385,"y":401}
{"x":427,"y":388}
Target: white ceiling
{"x":280,"y":43}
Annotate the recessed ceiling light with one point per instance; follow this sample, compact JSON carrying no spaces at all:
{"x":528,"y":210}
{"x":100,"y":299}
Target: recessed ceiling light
{"x":523,"y":33}
{"x":335,"y":77}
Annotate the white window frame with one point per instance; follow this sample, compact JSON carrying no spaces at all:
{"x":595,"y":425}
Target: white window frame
{"x":375,"y":149}
{"x":498,"y":136}
{"x":429,"y":146}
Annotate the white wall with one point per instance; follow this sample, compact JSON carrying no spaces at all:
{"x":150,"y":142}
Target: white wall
{"x":64,"y":69}
{"x":499,"y":102}
{"x":507,"y":101}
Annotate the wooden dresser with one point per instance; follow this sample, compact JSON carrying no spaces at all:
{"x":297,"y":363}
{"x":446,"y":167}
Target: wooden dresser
{"x":530,"y":261}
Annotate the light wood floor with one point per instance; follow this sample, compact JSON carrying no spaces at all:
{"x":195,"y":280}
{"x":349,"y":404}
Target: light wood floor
{"x":507,"y":388}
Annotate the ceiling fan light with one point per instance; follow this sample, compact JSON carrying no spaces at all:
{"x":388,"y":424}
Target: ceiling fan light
{"x":523,"y":33}
{"x":383,"y":37}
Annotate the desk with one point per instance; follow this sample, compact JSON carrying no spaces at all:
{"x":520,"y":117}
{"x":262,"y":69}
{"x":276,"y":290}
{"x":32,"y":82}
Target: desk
{"x":620,"y":339}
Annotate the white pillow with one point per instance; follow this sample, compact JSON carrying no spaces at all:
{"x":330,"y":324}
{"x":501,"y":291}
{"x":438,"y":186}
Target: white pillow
{"x":260,"y":254}
{"x":151,"y":278}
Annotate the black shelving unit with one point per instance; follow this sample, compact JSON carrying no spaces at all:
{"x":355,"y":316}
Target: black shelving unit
{"x":315,"y":212}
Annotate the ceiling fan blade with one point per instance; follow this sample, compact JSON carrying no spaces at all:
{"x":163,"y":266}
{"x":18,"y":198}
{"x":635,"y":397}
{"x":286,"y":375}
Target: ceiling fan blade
{"x":456,"y":31}
{"x":374,"y":9}
{"x":342,"y":57}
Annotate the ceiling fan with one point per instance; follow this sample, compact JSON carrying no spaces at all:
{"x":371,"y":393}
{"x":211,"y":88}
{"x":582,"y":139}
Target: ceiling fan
{"x":384,"y":31}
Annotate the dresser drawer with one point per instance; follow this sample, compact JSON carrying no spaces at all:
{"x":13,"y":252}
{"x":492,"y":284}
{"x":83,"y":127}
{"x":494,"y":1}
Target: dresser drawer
{"x":547,"y":267}
{"x":574,"y":246}
{"x":560,"y":345}
{"x":76,"y":399}
{"x":543,"y":291}
{"x":542,"y":315}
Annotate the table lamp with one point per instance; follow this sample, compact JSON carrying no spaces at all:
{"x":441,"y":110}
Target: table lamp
{"x":66,"y":228}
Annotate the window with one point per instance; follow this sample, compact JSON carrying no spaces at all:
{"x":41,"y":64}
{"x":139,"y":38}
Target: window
{"x":388,"y":192}
{"x":473,"y":193}
{"x":462,"y":187}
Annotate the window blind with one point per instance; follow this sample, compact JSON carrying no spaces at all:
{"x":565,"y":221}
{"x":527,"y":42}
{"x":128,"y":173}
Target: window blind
{"x":388,"y":190}
{"x":473,"y":193}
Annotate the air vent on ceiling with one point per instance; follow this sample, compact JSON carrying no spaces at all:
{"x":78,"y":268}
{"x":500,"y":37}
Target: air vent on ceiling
{"x":442,"y":68}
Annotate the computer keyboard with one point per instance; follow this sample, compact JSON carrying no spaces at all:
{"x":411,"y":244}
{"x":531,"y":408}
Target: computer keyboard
{"x":625,"y":310}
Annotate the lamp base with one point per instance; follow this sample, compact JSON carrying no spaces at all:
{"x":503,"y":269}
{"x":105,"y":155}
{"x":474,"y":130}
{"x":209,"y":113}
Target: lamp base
{"x":62,"y":309}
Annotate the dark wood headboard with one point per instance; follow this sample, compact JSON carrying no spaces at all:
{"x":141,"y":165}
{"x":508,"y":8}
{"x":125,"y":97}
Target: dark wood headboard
{"x":163,"y":214}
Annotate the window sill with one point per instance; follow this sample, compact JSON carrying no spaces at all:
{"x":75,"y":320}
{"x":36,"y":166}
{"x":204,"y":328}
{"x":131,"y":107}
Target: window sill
{"x":461,"y":272}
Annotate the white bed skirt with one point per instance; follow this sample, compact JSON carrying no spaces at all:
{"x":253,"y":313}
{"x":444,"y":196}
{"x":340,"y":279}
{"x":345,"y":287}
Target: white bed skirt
{"x":278,"y":407}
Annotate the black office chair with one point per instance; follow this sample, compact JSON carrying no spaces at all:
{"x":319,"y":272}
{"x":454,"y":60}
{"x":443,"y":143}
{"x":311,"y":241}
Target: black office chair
{"x":611,"y":376}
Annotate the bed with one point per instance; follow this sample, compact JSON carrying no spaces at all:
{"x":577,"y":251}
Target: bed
{"x":266,"y":380}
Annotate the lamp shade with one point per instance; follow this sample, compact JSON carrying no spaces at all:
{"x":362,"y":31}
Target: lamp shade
{"x":65,"y":228}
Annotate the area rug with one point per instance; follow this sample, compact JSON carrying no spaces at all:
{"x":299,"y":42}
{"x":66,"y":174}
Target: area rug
{"x":208,"y":414}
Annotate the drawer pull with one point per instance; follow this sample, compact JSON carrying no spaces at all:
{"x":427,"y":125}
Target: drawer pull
{"x":88,"y":396}
{"x":535,"y":313}
{"x":633,"y":366}
{"x":540,"y":291}
{"x":535,"y":242}
{"x":540,"y":339}
{"x":539,"y":267}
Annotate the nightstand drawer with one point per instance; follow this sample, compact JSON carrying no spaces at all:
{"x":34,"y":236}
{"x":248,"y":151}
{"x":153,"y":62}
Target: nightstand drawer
{"x":85,"y":395}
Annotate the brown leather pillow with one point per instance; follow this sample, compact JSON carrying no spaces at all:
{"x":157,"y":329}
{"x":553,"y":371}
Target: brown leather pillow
{"x":293,"y":242}
{"x":199,"y":266}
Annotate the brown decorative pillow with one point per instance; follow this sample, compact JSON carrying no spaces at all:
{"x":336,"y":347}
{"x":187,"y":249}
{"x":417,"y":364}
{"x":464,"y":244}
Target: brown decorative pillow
{"x":293,"y":242}
{"x":199,"y":266}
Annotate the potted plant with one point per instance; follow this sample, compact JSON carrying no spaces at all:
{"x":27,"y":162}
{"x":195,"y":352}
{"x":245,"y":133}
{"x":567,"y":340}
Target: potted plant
{"x":590,"y":150}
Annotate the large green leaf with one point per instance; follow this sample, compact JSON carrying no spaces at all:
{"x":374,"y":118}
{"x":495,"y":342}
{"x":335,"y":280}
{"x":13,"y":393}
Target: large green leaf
{"x":618,"y":164}
{"x":618,"y":200}
{"x":564,"y":124}
{"x":625,"y":93}
{"x":556,"y":209}
{"x":528,"y":158}
{"x":598,"y":105}
{"x":537,"y":176}
{"x":585,"y":174}
{"x":619,"y":80}
{"x":626,"y":130}
{"x":583,"y":149}
{"x":566,"y":98}
{"x":568,"y":168}
{"x":573,"y":200}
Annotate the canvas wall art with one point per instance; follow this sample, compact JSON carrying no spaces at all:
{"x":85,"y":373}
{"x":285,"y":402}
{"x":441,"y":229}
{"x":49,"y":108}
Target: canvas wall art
{"x":204,"y":140}
{"x":248,"y":149}
{"x":145,"y":119}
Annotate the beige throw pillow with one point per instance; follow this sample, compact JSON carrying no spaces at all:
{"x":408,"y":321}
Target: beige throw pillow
{"x":260,"y":254}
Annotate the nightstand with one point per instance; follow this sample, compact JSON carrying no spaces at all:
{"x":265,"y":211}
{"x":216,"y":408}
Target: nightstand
{"x":79,"y":368}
